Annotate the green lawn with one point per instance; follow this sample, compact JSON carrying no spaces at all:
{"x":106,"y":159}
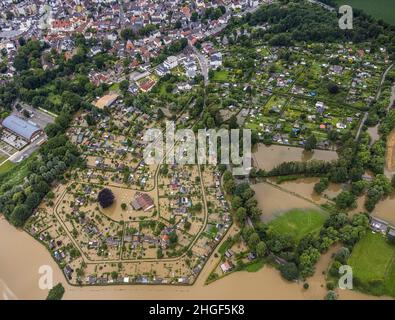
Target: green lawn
{"x":255,"y":266}
{"x":14,"y":174}
{"x":114,"y":87}
{"x":225,"y":246}
{"x":221,"y":76}
{"x":372,"y":260}
{"x":298,"y":222}
{"x":6,"y":166}
{"x":380,"y":9}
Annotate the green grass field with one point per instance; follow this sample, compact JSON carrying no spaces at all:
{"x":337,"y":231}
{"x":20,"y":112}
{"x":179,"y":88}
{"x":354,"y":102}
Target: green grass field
{"x":298,"y":222}
{"x":114,"y":87}
{"x":221,"y":76}
{"x":255,"y":266}
{"x":372,"y":260}
{"x":14,"y":174}
{"x":6,"y":166}
{"x":380,"y":9}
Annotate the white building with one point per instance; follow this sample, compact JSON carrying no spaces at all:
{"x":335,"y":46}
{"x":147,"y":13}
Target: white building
{"x":171,"y":62}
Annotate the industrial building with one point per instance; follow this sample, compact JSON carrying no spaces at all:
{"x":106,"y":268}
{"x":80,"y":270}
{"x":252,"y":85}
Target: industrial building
{"x":22,"y":128}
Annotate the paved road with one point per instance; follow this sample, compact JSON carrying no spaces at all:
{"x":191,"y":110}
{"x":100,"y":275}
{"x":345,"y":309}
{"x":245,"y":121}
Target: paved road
{"x":27,"y":151}
{"x":203,"y":64}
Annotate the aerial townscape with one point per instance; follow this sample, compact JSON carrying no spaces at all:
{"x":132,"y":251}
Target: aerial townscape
{"x":81,"y":82}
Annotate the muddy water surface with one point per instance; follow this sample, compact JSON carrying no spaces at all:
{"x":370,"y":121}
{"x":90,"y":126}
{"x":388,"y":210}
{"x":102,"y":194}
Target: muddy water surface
{"x":21,"y":257}
{"x":305,"y":188}
{"x":273,"y":201}
{"x":267,"y":157}
{"x":386,"y":209}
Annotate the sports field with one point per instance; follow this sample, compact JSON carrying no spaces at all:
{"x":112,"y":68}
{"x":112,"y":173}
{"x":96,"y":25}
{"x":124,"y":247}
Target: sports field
{"x":298,"y":222}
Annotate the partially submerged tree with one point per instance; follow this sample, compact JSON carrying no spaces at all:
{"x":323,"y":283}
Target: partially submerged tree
{"x":56,"y":293}
{"x":106,"y":198}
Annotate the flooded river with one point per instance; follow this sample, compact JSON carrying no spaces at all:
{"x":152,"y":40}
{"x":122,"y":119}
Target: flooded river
{"x":21,"y":257}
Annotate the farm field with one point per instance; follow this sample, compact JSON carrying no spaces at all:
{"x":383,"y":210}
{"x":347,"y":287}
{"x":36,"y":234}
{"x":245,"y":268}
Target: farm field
{"x":372,"y":260}
{"x":298,"y":222}
{"x":381,"y":9}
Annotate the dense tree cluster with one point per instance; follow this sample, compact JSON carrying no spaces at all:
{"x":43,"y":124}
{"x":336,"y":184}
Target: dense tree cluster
{"x":307,"y":251}
{"x":106,"y":198}
{"x":29,"y":55}
{"x":18,"y":201}
{"x":292,"y":22}
{"x":310,"y":168}
{"x":378,"y":189}
{"x":243,"y":202}
{"x":54,"y":88}
{"x":56,"y":293}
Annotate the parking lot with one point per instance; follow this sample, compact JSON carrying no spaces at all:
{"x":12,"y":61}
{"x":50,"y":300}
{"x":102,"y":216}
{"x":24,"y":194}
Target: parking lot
{"x":38,"y":117}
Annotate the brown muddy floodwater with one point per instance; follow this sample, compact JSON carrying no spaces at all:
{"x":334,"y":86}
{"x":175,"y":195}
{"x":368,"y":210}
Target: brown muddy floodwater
{"x":390,"y":156}
{"x":267,"y":157}
{"x":21,"y":256}
{"x":305,"y":188}
{"x":263,"y":284}
{"x":20,"y":259}
{"x":273,"y":202}
{"x":385,"y":209}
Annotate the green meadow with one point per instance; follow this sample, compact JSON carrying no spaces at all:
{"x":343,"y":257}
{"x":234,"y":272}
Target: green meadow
{"x":372,"y":261}
{"x":298,"y":222}
{"x":380,"y":9}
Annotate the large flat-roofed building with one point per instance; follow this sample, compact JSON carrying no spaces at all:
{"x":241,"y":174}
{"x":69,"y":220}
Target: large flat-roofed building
{"x":106,"y":101}
{"x":21,"y":128}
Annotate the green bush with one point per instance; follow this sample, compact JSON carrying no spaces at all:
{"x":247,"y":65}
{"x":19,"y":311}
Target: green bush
{"x":56,"y":293}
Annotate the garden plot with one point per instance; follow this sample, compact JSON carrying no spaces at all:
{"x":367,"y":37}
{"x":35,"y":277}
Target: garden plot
{"x":6,"y":150}
{"x":266,"y":119}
